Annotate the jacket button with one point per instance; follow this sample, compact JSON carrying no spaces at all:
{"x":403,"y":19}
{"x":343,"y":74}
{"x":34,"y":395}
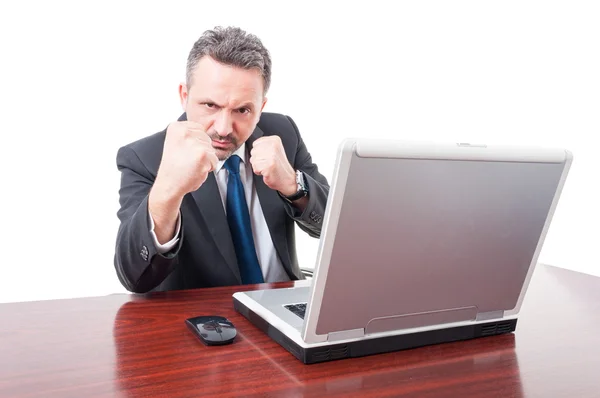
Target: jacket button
{"x":144,"y":253}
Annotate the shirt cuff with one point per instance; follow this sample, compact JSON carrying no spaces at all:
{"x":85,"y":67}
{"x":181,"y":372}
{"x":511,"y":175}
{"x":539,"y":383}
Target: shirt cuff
{"x":162,"y":249}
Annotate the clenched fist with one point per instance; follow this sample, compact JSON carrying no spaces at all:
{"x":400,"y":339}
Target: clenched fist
{"x":268,"y":159}
{"x":187,"y":158}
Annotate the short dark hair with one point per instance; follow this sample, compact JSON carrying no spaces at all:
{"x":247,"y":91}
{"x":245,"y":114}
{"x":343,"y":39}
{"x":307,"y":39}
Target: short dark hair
{"x":231,"y":46}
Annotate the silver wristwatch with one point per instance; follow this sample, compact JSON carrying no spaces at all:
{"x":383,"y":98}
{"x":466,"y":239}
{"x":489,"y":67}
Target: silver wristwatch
{"x":302,"y":188}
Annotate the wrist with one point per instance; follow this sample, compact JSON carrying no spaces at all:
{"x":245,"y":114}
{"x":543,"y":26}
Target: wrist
{"x":300,"y":190}
{"x":165,"y":193}
{"x":291,"y":186}
{"x":163,"y":203}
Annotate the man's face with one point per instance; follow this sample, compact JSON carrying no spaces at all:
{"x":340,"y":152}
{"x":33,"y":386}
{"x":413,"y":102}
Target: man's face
{"x":226,"y":100}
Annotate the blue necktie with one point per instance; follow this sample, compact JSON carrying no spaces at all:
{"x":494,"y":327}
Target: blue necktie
{"x":238,"y":219}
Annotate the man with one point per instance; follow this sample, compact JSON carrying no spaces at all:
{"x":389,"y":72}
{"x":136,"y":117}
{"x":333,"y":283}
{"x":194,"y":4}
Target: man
{"x":212,"y":199}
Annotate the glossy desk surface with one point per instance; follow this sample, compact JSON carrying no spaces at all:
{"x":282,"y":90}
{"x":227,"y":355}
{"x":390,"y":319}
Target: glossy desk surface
{"x":126,"y":345}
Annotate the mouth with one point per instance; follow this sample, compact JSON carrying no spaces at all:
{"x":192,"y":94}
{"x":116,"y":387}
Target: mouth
{"x":221,"y":144}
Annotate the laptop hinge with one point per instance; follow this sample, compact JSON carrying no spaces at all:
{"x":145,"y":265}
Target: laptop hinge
{"x":346,"y":334}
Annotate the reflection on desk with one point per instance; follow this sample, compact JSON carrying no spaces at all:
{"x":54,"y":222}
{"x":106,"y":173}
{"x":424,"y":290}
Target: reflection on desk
{"x":129,"y":345}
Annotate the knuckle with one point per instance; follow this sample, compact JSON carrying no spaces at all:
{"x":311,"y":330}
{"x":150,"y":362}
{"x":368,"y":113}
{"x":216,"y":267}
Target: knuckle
{"x":201,"y":157}
{"x":174,"y":128}
{"x":202,"y":136}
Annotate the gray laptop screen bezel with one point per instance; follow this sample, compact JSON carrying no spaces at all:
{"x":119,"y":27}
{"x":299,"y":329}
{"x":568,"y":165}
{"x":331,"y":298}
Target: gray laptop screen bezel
{"x":352,"y":148}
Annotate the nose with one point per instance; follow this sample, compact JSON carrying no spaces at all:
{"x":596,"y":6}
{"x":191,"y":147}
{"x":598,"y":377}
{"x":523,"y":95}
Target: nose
{"x":223,"y":124}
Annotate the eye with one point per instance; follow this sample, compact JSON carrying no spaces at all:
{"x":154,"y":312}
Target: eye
{"x":209,"y":105}
{"x":244,"y":110}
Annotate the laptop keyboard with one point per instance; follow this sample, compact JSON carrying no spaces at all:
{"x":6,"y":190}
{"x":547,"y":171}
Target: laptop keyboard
{"x":298,"y":309}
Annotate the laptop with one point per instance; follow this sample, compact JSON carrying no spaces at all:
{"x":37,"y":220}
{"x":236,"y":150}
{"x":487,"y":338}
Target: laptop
{"x":422,"y":243}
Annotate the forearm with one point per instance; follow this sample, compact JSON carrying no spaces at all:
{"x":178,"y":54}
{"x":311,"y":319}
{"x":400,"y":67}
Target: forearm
{"x":139,"y":265}
{"x":309,"y":211}
{"x":164,"y":210}
{"x":301,"y":203}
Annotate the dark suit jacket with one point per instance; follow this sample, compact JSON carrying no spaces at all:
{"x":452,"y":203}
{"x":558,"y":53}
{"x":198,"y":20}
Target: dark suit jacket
{"x":204,"y":255}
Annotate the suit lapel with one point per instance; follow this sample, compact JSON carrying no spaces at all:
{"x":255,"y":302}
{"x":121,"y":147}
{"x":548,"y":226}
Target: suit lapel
{"x":270,"y":202}
{"x":209,"y":202}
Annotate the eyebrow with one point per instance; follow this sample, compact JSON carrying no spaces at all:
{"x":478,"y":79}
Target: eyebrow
{"x":249,"y":105}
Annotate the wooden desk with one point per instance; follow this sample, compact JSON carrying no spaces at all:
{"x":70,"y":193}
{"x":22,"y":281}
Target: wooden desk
{"x":123,"y":345}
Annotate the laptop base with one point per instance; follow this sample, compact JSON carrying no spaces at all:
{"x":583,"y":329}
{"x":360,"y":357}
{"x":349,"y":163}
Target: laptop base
{"x":381,"y":345}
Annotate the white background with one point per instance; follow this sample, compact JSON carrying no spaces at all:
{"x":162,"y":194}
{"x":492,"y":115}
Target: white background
{"x":79,"y":80}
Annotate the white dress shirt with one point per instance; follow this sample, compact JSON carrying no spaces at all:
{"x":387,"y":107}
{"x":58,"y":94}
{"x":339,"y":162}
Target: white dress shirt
{"x":271,"y":266}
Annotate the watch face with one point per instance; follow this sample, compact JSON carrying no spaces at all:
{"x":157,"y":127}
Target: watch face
{"x":300,"y":180}
{"x":302,"y":190}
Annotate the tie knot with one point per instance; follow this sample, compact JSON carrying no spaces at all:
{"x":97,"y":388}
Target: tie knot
{"x":232,"y":164}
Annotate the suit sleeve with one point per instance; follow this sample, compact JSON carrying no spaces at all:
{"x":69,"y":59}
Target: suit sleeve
{"x":138,"y":263}
{"x":310,"y":220}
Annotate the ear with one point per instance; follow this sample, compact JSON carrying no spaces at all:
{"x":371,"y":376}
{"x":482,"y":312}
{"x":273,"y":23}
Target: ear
{"x":263,"y":104}
{"x":183,"y":95}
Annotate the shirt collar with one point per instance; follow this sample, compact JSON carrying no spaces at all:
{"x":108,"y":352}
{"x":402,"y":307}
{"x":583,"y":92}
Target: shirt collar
{"x":241,"y":152}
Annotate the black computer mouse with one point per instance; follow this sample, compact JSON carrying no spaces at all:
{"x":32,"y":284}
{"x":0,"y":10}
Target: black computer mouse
{"x":212,"y":329}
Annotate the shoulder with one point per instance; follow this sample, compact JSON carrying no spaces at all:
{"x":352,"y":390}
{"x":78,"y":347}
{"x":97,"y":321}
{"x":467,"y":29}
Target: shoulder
{"x":147,"y":150}
{"x":273,"y":123}
{"x":280,"y":125}
{"x":150,"y":147}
